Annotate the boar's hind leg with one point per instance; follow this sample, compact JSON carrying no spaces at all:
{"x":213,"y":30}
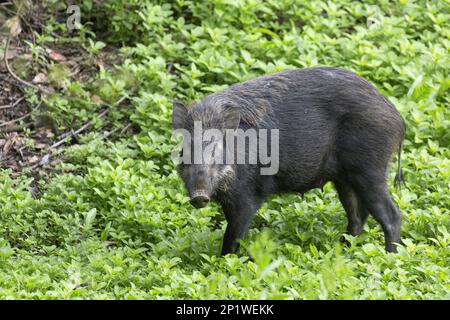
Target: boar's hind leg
{"x":356,"y":212}
{"x":375,"y":197}
{"x":239,"y":218}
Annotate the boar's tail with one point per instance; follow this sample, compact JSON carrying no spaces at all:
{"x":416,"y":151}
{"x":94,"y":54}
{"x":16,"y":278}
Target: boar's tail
{"x":399,"y":178}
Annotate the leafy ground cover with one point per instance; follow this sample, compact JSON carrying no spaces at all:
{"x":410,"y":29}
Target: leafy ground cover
{"x":104,"y":215}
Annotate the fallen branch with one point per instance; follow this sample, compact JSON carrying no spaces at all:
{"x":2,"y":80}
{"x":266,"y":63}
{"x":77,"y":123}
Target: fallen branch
{"x":10,"y":128}
{"x":88,"y":124}
{"x":7,"y":106}
{"x":7,"y":123}
{"x":16,"y":128}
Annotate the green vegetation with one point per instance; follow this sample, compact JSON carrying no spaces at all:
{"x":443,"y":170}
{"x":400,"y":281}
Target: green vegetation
{"x":112,"y":220}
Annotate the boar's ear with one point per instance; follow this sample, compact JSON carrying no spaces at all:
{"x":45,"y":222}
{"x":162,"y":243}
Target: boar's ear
{"x":231,"y":118}
{"x":179,"y":115}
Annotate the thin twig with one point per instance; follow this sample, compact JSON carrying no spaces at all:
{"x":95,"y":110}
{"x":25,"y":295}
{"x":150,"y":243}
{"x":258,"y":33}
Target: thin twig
{"x":86,"y":125}
{"x":16,"y":128}
{"x":6,"y":9}
{"x":7,"y":106}
{"x":81,"y":129}
{"x":28,"y":84}
{"x":7,"y":123}
{"x":115,"y":130}
{"x":25,"y":22}
{"x":125,"y":128}
{"x":109,"y":133}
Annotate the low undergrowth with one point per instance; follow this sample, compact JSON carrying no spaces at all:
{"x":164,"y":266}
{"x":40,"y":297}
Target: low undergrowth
{"x":112,"y":220}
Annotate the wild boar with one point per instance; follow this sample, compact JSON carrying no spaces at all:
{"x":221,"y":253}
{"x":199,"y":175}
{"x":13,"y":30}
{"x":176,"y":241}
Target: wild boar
{"x":329,"y":124}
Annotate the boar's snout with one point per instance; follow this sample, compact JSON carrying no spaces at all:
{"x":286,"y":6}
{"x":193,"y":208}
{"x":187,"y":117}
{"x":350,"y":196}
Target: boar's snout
{"x":199,"y":199}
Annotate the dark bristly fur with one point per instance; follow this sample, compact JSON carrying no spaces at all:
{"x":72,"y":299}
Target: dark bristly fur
{"x":334,"y":126}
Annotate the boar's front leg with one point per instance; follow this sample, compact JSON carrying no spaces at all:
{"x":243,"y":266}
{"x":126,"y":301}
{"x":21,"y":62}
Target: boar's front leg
{"x":239,"y":216}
